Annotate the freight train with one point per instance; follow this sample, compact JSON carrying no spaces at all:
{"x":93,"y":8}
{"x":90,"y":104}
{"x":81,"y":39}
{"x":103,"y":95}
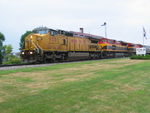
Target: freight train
{"x":49,"y":45}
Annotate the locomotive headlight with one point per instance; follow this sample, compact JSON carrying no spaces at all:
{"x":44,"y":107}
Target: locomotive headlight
{"x":31,"y":52}
{"x":22,"y":53}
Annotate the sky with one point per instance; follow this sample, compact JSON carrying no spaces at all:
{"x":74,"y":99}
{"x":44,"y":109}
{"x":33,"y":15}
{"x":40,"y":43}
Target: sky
{"x":125,"y":18}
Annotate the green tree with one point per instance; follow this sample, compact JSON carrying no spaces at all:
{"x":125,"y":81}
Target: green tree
{"x":23,"y":38}
{"x":7,"y":52}
{"x":9,"y":58}
{"x":2,"y":38}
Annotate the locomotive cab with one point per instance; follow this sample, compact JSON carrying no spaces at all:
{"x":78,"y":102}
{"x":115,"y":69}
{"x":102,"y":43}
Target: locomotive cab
{"x":42,"y":44}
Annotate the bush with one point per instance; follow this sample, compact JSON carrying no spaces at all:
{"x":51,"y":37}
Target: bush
{"x":146,"y":57}
{"x":13,"y":60}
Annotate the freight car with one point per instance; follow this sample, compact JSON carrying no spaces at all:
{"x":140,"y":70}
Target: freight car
{"x":48,"y":45}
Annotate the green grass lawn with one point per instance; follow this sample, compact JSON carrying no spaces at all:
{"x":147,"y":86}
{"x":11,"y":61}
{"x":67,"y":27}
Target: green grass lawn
{"x":106,"y":86}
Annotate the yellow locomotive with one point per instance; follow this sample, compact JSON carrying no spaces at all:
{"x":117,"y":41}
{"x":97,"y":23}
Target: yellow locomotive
{"x":48,"y":45}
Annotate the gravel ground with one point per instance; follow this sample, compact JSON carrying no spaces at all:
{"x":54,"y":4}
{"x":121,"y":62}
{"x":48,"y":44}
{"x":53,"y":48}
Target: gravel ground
{"x":25,"y":66}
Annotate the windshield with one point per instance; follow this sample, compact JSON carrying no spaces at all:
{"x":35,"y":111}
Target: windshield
{"x":42,"y":31}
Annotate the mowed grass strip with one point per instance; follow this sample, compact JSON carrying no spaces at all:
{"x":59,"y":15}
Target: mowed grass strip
{"x":114,"y":85}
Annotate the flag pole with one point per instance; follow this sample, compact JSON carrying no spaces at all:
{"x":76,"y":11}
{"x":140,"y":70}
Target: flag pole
{"x":143,"y":39}
{"x":144,"y":35}
{"x":105,"y":31}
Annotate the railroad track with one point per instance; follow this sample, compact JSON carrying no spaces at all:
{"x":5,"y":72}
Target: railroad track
{"x":17,"y":66}
{"x":9,"y":65}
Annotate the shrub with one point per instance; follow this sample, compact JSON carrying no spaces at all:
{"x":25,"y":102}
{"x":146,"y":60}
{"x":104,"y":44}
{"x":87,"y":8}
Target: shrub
{"x":146,"y":57}
{"x":13,"y":60}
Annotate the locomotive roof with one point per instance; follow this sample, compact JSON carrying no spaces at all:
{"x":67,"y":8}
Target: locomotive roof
{"x":86,"y":35}
{"x":42,"y":28}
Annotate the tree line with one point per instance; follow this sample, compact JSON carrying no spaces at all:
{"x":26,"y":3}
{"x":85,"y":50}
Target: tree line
{"x":2,"y":39}
{"x":6,"y":51}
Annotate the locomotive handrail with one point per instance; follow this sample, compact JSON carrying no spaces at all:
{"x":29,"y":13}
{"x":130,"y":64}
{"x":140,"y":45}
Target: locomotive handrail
{"x":37,"y":47}
{"x":40,"y":48}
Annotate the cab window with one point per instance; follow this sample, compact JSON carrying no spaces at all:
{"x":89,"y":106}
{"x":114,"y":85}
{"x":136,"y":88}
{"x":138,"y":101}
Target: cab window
{"x":53,"y":33}
{"x":43,"y":31}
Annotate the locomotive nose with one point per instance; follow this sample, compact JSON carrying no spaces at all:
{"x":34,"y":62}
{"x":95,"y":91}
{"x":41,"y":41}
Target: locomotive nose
{"x":29,"y":42}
